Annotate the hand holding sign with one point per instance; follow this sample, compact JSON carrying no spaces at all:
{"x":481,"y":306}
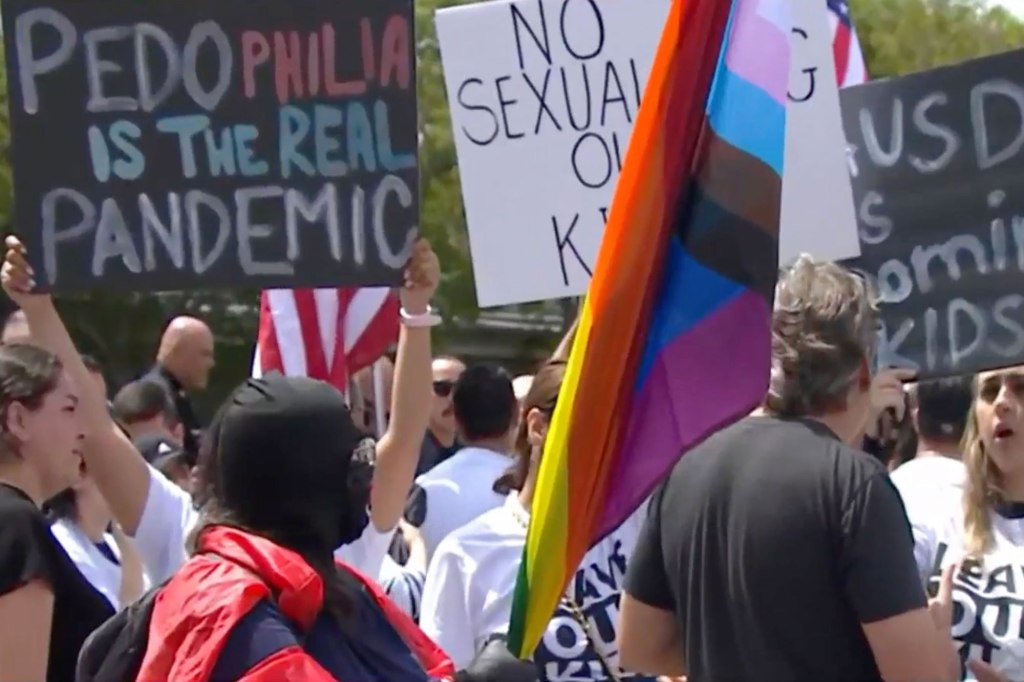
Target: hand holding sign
{"x":422,"y":278}
{"x":941,"y":220}
{"x":18,"y":277}
{"x":887,"y":391}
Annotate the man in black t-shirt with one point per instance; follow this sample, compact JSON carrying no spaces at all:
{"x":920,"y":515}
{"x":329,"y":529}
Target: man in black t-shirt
{"x":775,"y":550}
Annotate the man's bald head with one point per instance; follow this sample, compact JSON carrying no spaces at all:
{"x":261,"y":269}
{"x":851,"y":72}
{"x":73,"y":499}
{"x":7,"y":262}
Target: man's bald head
{"x":446,"y":367}
{"x":186,"y":351}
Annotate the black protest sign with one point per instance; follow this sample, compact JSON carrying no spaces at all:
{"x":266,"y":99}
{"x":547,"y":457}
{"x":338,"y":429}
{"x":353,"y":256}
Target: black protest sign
{"x":172,"y":144}
{"x":938,"y":180}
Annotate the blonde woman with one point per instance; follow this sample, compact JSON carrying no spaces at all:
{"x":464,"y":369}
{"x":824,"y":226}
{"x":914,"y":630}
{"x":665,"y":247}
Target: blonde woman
{"x":986,"y":534}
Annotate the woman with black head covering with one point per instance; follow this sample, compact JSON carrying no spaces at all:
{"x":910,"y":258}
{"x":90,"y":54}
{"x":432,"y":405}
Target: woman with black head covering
{"x":159,"y":515}
{"x":283,"y":482}
{"x":262,"y":598}
{"x":262,"y":594}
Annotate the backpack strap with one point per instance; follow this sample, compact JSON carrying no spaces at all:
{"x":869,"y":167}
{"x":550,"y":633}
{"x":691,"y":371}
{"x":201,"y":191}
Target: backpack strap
{"x":260,"y":634}
{"x":114,"y":651}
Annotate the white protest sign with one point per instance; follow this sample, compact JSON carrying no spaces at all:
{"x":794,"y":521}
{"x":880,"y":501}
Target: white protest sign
{"x":818,"y":215}
{"x":543,"y":95}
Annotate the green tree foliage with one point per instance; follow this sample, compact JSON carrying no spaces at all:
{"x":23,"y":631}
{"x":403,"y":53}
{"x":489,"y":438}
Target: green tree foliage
{"x":442,"y":217}
{"x":898,"y":37}
{"x":905,"y":36}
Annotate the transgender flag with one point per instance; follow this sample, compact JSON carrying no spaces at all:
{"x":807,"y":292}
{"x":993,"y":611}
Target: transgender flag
{"x":673,"y":341}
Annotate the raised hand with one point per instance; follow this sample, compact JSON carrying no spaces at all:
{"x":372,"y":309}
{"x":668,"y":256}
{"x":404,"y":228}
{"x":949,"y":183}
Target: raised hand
{"x":422,"y":277}
{"x":17,"y":276}
{"x":941,"y":606}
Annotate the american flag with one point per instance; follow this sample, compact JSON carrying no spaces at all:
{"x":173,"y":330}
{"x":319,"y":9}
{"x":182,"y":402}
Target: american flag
{"x":850,"y":68}
{"x":326,"y":334}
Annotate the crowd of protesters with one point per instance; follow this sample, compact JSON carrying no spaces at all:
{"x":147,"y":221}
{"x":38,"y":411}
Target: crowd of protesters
{"x":857,"y":526}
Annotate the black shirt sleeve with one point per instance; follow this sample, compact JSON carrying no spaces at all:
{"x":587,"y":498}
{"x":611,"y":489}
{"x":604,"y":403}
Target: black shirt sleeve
{"x":416,"y":507}
{"x":646,"y":578}
{"x":876,"y":556}
{"x":26,"y":545}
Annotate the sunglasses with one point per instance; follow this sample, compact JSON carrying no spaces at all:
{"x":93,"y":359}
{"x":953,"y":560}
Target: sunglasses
{"x":443,"y":389}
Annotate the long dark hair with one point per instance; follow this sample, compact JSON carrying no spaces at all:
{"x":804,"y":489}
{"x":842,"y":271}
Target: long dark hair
{"x":340,"y":588}
{"x":543,"y":395}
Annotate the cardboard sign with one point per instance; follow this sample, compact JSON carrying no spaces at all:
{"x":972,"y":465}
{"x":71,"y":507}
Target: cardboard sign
{"x":172,"y":144}
{"x":543,"y":97}
{"x":938,"y":170}
{"x":817,"y":201}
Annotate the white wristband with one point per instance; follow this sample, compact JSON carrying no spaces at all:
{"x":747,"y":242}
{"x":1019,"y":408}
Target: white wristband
{"x":427,"y":319}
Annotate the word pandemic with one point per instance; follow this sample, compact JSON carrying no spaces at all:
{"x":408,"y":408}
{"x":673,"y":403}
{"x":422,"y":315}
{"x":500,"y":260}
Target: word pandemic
{"x":175,"y":144}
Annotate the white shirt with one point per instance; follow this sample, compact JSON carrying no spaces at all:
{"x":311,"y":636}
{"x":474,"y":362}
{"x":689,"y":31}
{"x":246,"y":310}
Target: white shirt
{"x":169,"y":516}
{"x":932,"y":475}
{"x":988,"y":614}
{"x":404,"y":585}
{"x":932,"y":489}
{"x":101,"y":572}
{"x":458,"y":490}
{"x":471,"y":581}
{"x":988,"y":599}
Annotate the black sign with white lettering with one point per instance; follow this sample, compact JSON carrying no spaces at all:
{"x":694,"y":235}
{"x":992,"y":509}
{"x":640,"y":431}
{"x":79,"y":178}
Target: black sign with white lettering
{"x":937,"y":162}
{"x":172,"y":144}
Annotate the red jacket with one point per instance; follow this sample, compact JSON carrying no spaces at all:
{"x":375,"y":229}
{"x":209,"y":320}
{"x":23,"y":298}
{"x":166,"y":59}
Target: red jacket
{"x":196,"y":611}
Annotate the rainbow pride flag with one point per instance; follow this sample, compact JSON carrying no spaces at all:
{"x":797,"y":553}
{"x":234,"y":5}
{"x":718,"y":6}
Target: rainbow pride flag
{"x":673,"y":340}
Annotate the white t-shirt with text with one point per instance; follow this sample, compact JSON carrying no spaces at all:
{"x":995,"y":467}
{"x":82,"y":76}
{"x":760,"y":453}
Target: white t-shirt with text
{"x":988,"y":594}
{"x":471,"y":582}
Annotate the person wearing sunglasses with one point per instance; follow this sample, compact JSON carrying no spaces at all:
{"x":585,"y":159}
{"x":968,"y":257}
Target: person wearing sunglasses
{"x":440,"y":441}
{"x":459,"y":489}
